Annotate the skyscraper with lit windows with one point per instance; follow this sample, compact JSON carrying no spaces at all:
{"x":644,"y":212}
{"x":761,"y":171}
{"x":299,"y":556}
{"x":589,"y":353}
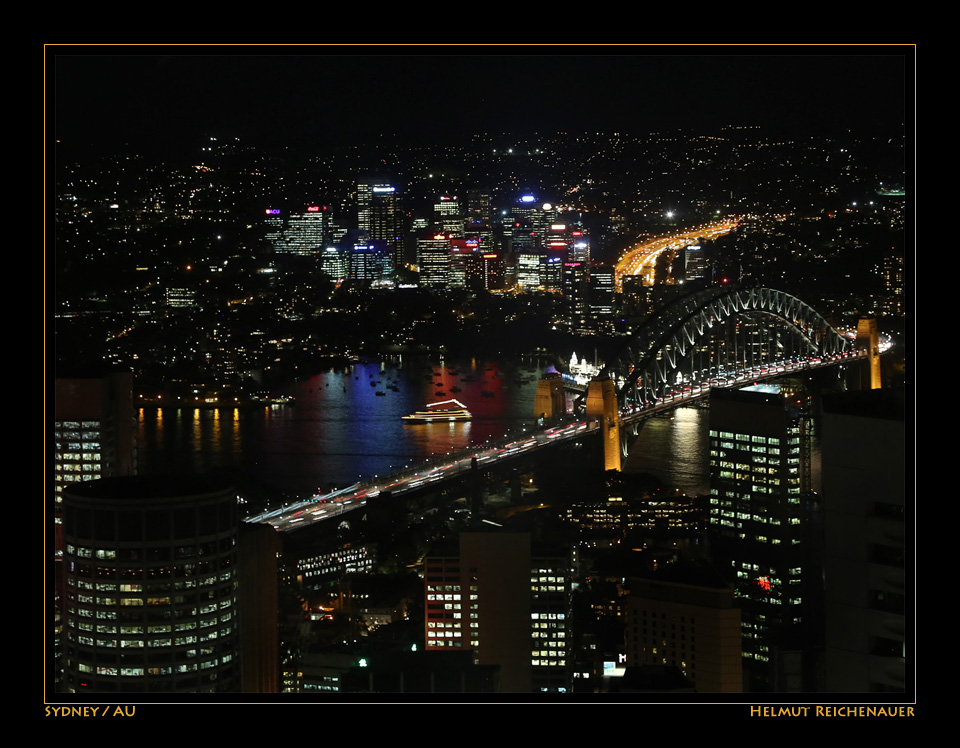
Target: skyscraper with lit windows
{"x":150,"y":580}
{"x":602,"y":298}
{"x":433,"y":261}
{"x":380,"y":216}
{"x":93,"y":428}
{"x":305,"y":233}
{"x":447,"y":217}
{"x":93,"y":437}
{"x":507,"y":603}
{"x":760,"y":530}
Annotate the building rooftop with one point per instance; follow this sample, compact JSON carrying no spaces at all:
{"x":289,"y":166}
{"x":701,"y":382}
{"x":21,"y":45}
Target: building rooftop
{"x":136,"y":487}
{"x":884,"y":403}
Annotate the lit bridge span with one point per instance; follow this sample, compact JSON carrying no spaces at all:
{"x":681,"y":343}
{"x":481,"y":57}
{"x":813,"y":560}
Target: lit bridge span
{"x":721,"y":337}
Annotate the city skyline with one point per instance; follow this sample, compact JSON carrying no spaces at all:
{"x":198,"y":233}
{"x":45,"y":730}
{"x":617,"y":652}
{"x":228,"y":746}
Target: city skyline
{"x":183,"y":271}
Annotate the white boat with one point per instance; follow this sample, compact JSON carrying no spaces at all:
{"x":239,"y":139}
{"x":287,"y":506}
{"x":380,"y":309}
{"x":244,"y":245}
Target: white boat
{"x":435,"y":412}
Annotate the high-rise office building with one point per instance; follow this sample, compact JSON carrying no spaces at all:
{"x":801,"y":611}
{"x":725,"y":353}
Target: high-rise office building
{"x":447,"y":217}
{"x":94,"y":428}
{"x":494,"y":271}
{"x":602,"y":298}
{"x":580,"y":248}
{"x":693,"y":263}
{"x":761,"y":529}
{"x":507,"y":604}
{"x":685,"y":617}
{"x":543,"y":218}
{"x":274,"y":221}
{"x":867,"y":596}
{"x":528,"y":269}
{"x":379,"y":214}
{"x":893,"y":281}
{"x":334,"y":261}
{"x":181,"y":297}
{"x":522,"y":214}
{"x":150,"y":579}
{"x":466,"y":265}
{"x":370,"y":261}
{"x":637,"y":298}
{"x":258,"y":579}
{"x":479,"y":206}
{"x":433,"y":261}
{"x":576,"y":284}
{"x":557,"y":246}
{"x":305,"y":233}
{"x":93,"y":437}
{"x":550,"y":622}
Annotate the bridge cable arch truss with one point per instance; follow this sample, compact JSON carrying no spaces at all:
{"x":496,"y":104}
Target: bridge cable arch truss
{"x":664,"y":350}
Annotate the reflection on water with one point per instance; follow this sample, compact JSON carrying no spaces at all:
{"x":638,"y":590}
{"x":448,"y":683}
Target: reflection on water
{"x":345,"y":424}
{"x":676,"y":450}
{"x":341,"y":429}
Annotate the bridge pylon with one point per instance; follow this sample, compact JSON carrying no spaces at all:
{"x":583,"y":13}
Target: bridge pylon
{"x":602,"y":406}
{"x":551,"y":402}
{"x":868,"y":341}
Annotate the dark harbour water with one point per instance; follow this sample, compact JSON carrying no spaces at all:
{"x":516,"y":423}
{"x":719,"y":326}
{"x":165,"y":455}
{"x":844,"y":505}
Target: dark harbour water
{"x":341,"y":430}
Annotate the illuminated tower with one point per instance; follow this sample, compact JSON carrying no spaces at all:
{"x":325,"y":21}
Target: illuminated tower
{"x":602,"y":298}
{"x":893,"y":281}
{"x":150,"y":568}
{"x":528,"y":268}
{"x":379,"y":214}
{"x":494,"y":272}
{"x":433,"y":261}
{"x":334,"y":261}
{"x":761,"y":529}
{"x":550,"y":401}
{"x":557,"y":246}
{"x":602,"y":407}
{"x":370,"y":261}
{"x":521,"y":236}
{"x":580,"y":250}
{"x":693,"y":263}
{"x":466,"y":264}
{"x":479,"y":206}
{"x":576,"y":289}
{"x":543,"y":219}
{"x":868,"y":342}
{"x":274,"y":222}
{"x":447,"y":216}
{"x":305,"y":233}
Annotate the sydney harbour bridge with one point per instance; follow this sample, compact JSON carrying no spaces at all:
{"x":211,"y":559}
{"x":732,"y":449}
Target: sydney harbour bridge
{"x":719,"y":337}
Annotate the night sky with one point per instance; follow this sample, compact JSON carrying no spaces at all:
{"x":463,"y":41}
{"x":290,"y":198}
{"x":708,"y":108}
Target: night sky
{"x":166,"y":98}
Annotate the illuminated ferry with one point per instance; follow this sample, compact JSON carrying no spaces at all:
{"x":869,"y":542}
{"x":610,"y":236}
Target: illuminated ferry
{"x":459,"y":413}
{"x":583,"y":371}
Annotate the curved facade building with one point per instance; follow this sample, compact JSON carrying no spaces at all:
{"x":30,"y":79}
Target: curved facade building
{"x":150,"y":580}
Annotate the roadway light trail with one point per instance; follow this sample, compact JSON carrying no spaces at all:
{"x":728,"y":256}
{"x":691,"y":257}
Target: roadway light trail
{"x":641,"y":259}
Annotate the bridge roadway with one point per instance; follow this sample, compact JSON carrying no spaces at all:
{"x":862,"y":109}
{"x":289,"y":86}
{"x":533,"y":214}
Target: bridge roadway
{"x":572,"y":428}
{"x":641,"y":259}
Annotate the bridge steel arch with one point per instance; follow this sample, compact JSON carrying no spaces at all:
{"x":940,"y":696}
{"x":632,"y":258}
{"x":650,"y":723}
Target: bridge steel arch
{"x":651,"y":363}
